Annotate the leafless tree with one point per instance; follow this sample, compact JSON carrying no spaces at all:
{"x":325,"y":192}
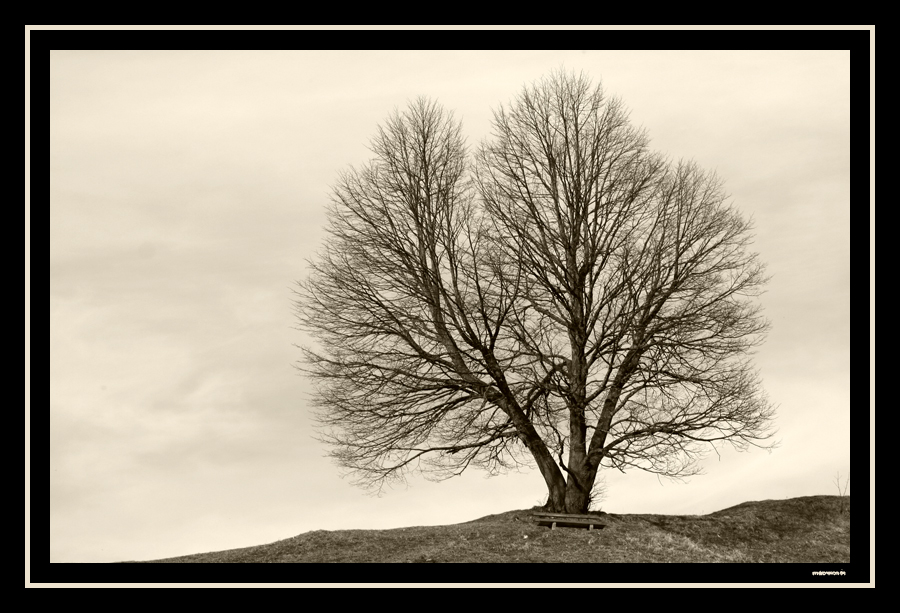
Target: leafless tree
{"x":568,"y":299}
{"x":842,"y":492}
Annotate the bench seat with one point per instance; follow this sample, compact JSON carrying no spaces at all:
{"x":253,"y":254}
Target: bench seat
{"x":568,"y":520}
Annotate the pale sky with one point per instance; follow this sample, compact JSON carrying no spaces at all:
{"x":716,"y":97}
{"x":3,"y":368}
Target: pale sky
{"x":188,"y":188}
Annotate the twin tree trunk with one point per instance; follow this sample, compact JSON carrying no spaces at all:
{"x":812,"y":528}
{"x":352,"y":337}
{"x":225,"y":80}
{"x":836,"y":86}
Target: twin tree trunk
{"x":569,"y":487}
{"x":570,"y":490}
{"x":569,"y":483}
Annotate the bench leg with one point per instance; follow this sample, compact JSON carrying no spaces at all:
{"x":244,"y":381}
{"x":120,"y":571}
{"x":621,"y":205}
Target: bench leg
{"x":553,"y":527}
{"x":591,"y":527}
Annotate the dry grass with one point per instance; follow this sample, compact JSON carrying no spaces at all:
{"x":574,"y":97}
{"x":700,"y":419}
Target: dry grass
{"x":808,"y":529}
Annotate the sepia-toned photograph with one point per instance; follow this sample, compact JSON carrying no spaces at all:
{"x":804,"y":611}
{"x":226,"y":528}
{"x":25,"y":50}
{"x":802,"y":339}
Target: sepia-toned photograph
{"x":451,"y":307}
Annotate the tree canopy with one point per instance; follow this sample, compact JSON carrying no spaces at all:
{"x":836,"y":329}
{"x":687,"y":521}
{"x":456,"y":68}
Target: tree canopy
{"x":564,"y":297}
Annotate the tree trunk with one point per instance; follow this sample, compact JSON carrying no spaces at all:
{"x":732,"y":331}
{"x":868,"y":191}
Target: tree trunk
{"x":577,"y":500}
{"x":570,"y":496}
{"x":578,"y":489}
{"x":556,"y":485}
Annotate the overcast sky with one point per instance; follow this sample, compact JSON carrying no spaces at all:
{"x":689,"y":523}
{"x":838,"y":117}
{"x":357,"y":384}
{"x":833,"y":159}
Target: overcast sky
{"x":188,"y":189}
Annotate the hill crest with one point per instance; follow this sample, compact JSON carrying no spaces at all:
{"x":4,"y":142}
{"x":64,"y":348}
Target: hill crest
{"x":804,"y":529}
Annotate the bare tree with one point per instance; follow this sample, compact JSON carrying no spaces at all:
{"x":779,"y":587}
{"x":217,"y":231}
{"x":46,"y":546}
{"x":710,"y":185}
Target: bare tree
{"x":570,"y":299}
{"x":842,"y":493}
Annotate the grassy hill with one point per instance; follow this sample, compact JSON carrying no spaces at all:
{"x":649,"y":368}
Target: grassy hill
{"x":807,"y":529}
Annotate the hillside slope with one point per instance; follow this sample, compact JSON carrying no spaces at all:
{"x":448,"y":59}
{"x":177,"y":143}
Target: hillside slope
{"x":806,"y":529}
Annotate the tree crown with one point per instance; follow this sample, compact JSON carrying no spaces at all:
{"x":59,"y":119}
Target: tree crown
{"x":564,"y":296}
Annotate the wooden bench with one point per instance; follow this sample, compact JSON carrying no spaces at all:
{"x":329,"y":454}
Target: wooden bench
{"x":568,"y":520}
